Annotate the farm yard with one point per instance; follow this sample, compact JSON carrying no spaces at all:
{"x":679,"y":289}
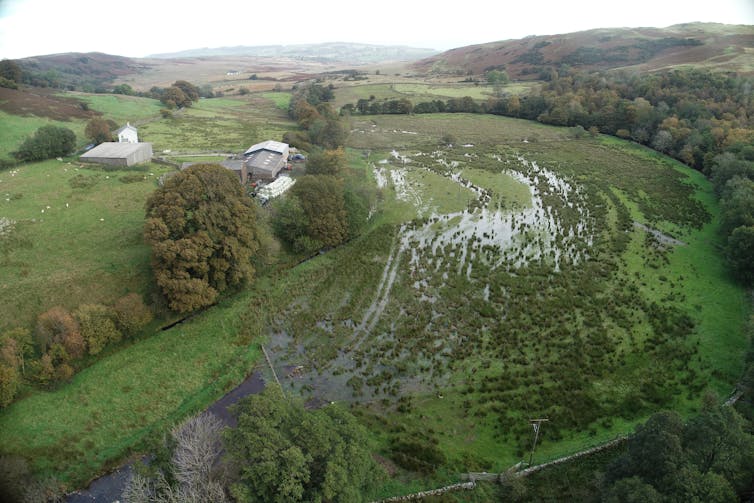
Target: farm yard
{"x":518,"y":273}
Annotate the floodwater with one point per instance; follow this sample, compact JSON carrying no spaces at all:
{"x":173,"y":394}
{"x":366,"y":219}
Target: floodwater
{"x":442,"y":245}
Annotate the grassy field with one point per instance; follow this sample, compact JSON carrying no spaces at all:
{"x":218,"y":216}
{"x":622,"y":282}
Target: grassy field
{"x":77,"y":238}
{"x":14,"y":129}
{"x":281,"y":100}
{"x":78,"y":232}
{"x":114,"y":407}
{"x":220,"y":125}
{"x":418,"y":92}
{"x":121,"y":109}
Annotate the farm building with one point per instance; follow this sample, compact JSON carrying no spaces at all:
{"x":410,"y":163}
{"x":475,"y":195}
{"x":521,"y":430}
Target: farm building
{"x":237,"y":166}
{"x":127,"y":134}
{"x":119,"y":154}
{"x":265,"y":160}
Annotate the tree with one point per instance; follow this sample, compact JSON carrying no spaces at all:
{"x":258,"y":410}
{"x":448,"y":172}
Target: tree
{"x":202,"y":229}
{"x":10,"y":70}
{"x":321,"y":199}
{"x":98,"y":130}
{"x":97,"y":326}
{"x":56,"y":326}
{"x":47,"y":142}
{"x":124,"y":89}
{"x":497,"y":79}
{"x":740,"y":252}
{"x":189,"y":89}
{"x":632,"y":490}
{"x":196,"y":447}
{"x":326,"y":162}
{"x":285,"y":453}
{"x":654,"y":451}
{"x":291,"y":225}
{"x":16,"y":347}
{"x":131,"y":314}
{"x":716,"y":441}
{"x":9,"y":383}
{"x":737,"y":204}
{"x":174,"y":97}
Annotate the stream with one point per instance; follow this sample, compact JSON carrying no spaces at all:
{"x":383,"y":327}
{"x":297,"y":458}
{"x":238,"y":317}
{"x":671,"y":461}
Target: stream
{"x":109,"y":488}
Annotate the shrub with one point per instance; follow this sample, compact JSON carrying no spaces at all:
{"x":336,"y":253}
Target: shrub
{"x":57,"y":326}
{"x":47,"y":142}
{"x":131,"y":314}
{"x":9,"y":382}
{"x":8,"y":83}
{"x":97,"y":326}
{"x":417,"y":453}
{"x":132,"y":178}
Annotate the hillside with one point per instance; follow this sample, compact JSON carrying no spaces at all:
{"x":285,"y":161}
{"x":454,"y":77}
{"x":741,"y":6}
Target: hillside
{"x":326,"y":52}
{"x":712,"y":45}
{"x":77,"y":70}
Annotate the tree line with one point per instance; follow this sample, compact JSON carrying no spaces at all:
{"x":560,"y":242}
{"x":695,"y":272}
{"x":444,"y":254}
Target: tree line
{"x":60,"y":341}
{"x":701,"y":118}
{"x":325,"y":207}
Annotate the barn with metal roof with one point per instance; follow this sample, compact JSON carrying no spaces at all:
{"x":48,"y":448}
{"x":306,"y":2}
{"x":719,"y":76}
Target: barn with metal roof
{"x":119,"y":154}
{"x":265,"y":160}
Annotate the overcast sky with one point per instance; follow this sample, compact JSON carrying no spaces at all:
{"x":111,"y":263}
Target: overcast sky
{"x":137,"y":28}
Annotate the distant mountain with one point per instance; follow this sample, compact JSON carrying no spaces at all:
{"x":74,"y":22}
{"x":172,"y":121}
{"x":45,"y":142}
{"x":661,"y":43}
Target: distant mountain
{"x":327,"y":52}
{"x":711,"y":45}
{"x":78,"y":70}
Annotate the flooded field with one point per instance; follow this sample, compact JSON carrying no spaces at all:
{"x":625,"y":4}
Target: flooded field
{"x":433,"y":248}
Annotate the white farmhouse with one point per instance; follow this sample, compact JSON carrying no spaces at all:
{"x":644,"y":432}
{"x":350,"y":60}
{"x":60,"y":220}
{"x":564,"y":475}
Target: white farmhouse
{"x":127,"y":134}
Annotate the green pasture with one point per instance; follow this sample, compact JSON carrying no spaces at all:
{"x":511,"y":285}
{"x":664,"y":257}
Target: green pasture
{"x":281,"y":100}
{"x":14,"y":129}
{"x":418,"y":92}
{"x":77,"y":238}
{"x":217,"y":125}
{"x":120,"y":108}
{"x":422,"y":92}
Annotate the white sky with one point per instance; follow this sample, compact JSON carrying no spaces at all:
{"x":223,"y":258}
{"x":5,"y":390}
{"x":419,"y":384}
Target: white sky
{"x":137,"y":28}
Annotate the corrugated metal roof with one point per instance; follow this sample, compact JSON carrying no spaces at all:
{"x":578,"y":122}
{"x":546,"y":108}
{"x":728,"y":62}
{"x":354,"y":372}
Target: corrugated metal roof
{"x":273,"y":146}
{"x":115,"y":149}
{"x":234,"y":164}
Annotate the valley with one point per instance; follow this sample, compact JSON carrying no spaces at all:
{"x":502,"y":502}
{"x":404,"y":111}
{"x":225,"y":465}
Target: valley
{"x":505,"y":270}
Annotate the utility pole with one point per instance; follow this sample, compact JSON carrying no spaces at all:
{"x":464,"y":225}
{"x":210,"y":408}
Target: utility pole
{"x":536,"y":424}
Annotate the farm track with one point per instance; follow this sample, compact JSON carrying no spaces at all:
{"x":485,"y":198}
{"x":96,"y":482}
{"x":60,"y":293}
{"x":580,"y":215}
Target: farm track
{"x":377,"y":307}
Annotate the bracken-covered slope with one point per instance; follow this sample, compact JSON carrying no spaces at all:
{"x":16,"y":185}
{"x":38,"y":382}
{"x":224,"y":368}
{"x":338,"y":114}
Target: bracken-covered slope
{"x":711,"y":45}
{"x":77,"y":70}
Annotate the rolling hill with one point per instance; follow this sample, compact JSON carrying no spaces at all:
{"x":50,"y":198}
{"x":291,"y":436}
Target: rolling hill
{"x":326,"y":52}
{"x":711,"y":45}
{"x":78,"y":70}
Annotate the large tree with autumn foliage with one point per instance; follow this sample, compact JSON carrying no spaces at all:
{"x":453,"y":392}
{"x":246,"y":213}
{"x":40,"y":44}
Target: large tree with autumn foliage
{"x":202,"y":229}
